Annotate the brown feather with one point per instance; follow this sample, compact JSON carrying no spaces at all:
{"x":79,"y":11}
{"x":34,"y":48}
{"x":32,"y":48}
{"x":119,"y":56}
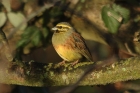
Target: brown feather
{"x":81,"y":45}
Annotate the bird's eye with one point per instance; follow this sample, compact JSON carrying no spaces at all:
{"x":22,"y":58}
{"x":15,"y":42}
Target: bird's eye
{"x":59,"y":27}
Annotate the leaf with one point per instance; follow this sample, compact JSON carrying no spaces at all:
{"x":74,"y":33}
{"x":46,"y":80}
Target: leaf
{"x":125,"y":13}
{"x":16,"y":19}
{"x":32,"y":34}
{"x":113,"y":16}
{"x":36,"y":37}
{"x":22,"y":42}
{"x":29,"y":31}
{"x":6,"y":4}
{"x":45,"y":32}
{"x":2,"y":19}
{"x":110,"y":19}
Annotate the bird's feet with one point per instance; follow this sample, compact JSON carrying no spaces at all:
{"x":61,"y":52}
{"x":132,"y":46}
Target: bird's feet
{"x":75,"y":62}
{"x":61,"y":63}
{"x":72,"y":64}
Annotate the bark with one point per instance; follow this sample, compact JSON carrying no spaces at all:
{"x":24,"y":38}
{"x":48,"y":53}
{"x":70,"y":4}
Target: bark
{"x":39,"y":74}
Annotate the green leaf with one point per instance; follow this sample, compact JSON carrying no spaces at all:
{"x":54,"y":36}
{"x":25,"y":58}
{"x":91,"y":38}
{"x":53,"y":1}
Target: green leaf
{"x":22,"y":42}
{"x":2,"y":19}
{"x":29,"y":31}
{"x":32,"y":34}
{"x":125,"y":13}
{"x":113,"y":16}
{"x":45,"y":32}
{"x":36,"y":38}
{"x":16,"y":19}
{"x":110,"y":19}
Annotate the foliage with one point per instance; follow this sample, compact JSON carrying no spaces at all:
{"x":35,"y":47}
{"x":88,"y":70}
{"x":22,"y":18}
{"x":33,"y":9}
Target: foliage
{"x":113,"y":16}
{"x":33,"y":35}
{"x":16,"y":19}
{"x":35,"y":31}
{"x":2,"y":19}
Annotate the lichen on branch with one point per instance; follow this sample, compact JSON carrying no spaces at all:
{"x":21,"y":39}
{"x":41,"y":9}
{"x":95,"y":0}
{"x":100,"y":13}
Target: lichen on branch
{"x":40,"y":74}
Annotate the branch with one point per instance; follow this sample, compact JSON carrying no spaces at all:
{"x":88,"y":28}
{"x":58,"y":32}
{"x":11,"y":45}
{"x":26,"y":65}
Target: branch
{"x":39,"y":74}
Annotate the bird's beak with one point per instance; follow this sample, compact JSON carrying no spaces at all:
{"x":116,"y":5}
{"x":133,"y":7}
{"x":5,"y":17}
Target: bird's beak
{"x":54,"y":28}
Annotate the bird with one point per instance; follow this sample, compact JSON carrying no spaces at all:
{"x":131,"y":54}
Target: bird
{"x":69,"y":44}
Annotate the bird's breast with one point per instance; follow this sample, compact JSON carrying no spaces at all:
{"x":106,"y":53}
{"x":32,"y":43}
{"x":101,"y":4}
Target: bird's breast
{"x":68,"y":53}
{"x":65,"y":47}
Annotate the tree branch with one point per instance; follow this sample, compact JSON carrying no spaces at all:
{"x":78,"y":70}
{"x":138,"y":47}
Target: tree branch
{"x":39,"y":74}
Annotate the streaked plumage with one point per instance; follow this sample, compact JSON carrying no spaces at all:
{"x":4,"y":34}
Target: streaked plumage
{"x":68,"y":43}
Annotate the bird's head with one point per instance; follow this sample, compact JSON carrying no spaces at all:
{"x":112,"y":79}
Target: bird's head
{"x":62,"y":27}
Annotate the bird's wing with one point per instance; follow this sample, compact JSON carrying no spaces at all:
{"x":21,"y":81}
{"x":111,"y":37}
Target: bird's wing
{"x":81,"y":45}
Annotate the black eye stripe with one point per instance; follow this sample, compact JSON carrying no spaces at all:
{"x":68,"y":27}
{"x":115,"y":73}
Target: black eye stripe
{"x":59,"y":27}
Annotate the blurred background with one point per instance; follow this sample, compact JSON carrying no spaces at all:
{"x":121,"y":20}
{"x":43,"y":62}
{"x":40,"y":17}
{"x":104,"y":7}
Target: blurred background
{"x":109,"y":27}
